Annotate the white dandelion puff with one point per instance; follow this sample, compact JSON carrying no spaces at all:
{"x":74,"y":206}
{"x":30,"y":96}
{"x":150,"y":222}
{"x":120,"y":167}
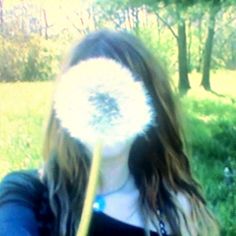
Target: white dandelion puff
{"x":99,"y":99}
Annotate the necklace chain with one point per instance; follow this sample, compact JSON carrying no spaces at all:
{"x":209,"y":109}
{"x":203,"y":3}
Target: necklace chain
{"x":100,"y":202}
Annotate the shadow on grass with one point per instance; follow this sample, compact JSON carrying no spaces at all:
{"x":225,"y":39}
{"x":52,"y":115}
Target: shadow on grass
{"x":222,"y":95}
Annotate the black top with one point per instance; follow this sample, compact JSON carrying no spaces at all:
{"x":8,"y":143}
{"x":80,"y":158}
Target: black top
{"x":24,"y":210}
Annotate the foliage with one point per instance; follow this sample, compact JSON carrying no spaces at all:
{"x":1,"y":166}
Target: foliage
{"x":12,"y":57}
{"x":162,"y":46}
{"x":27,"y":59}
{"x":224,"y":54}
{"x":42,"y":60}
{"x":25,"y":24}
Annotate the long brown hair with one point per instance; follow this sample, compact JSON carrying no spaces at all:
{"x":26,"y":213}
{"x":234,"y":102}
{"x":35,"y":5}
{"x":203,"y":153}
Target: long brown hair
{"x":157,"y":160}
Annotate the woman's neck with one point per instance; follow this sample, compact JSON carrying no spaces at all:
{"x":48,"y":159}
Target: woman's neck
{"x":114,"y":173}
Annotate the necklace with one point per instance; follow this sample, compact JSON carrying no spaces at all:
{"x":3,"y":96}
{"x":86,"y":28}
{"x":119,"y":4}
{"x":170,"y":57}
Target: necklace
{"x":99,"y":204}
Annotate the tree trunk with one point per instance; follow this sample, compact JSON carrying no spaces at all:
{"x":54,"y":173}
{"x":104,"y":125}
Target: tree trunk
{"x":189,"y":46}
{"x":1,"y":15}
{"x":45,"y":24}
{"x":182,"y":54}
{"x":208,"y":49}
{"x":135,"y":14}
{"x":128,"y":18}
{"x":199,"y":64}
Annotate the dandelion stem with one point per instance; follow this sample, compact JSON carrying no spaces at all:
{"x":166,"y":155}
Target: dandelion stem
{"x":91,"y":191}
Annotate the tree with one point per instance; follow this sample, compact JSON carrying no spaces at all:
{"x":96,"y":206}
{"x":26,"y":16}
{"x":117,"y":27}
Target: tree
{"x":182,"y":51}
{"x":1,"y":14}
{"x":214,"y":8}
{"x":180,"y":37}
{"x":225,"y":39}
{"x":180,"y":6}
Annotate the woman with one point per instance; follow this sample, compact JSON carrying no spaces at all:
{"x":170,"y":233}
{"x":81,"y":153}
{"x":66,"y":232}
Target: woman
{"x":147,"y":186}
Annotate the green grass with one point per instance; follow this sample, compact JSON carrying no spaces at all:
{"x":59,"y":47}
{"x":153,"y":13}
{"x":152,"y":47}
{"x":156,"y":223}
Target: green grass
{"x":210,"y":123}
{"x":211,"y":126}
{"x":23,"y":113}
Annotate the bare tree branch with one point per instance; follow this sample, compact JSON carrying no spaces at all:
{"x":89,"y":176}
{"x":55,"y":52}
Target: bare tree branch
{"x":45,"y":23}
{"x":1,"y":13}
{"x":168,"y":26}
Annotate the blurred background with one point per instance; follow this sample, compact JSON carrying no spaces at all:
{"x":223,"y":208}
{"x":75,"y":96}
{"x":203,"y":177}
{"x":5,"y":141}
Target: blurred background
{"x":195,"y":42}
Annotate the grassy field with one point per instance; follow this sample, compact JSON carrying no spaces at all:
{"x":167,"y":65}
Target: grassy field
{"x":23,"y":113}
{"x":211,"y":125}
{"x":210,"y":122}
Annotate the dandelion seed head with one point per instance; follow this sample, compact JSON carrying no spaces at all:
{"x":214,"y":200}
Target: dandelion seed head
{"x":100,"y":99}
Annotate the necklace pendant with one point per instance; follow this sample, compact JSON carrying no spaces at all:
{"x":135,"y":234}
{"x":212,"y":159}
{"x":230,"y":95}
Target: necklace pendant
{"x":99,"y":204}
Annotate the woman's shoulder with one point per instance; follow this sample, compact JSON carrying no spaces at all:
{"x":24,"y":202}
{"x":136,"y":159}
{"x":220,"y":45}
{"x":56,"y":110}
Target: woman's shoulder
{"x":23,"y":208}
{"x":21,"y":174}
{"x":22,"y":186}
